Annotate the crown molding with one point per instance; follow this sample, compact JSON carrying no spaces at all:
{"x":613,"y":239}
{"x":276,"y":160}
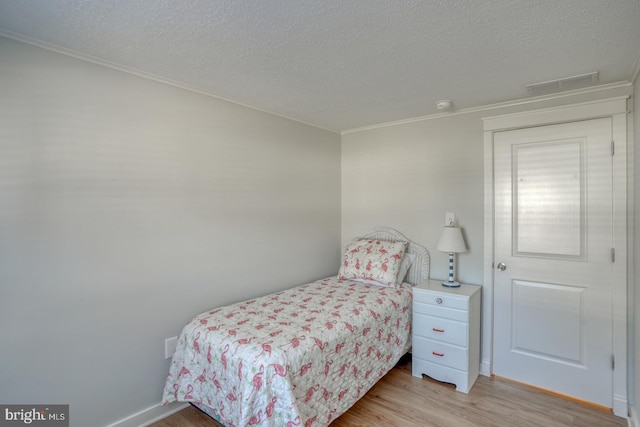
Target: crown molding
{"x":129,"y":70}
{"x":635,"y":71}
{"x":495,"y":106}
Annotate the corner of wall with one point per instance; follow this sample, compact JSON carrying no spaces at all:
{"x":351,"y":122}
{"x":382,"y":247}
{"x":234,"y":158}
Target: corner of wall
{"x":633,"y":417}
{"x":634,"y":279}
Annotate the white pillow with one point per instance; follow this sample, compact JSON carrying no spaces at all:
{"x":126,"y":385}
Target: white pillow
{"x":405,"y":265}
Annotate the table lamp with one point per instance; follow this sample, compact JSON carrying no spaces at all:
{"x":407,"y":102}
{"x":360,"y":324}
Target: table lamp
{"x":452,"y":242}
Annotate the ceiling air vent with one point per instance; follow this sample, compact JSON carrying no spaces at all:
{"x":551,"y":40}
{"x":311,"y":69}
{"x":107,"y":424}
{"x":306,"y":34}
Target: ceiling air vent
{"x":566,"y":83}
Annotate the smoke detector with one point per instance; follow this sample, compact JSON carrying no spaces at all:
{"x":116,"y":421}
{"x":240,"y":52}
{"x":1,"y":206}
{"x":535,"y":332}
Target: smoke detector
{"x":444,"y":104}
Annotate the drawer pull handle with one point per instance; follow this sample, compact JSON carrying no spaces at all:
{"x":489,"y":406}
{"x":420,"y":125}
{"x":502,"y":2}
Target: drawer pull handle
{"x":437,"y":354}
{"x":439,"y":300}
{"x":437,"y":330}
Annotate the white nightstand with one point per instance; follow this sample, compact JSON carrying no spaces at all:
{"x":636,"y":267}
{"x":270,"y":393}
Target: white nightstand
{"x":446,"y":333}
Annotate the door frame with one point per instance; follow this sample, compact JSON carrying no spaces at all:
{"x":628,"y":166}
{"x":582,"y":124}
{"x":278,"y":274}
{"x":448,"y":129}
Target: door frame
{"x":616,"y":109}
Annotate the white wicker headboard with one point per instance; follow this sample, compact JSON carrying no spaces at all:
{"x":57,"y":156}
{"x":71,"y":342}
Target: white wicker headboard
{"x":419,"y":271}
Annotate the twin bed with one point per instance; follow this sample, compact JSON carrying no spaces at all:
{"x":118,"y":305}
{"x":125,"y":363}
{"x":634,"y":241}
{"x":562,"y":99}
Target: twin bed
{"x":303,"y":356}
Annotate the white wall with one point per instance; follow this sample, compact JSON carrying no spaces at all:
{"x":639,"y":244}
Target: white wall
{"x":408,"y":175}
{"x":126,"y":207}
{"x":635,"y":320}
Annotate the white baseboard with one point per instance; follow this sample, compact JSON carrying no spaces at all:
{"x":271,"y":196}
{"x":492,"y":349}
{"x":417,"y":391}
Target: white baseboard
{"x":633,"y":417}
{"x":150,"y":415}
{"x":620,"y":406}
{"x":485,"y":368}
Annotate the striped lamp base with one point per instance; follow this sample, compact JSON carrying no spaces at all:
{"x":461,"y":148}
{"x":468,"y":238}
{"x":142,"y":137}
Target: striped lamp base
{"x":451,"y":283}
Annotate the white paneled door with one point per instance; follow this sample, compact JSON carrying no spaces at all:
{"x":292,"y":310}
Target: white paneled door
{"x":553,"y":258}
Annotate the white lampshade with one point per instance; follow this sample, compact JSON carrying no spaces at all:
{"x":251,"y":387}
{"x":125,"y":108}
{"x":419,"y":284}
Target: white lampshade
{"x":451,"y":240}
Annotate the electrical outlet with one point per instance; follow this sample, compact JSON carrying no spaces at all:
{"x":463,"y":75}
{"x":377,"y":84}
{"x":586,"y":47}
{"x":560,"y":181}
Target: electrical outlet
{"x":450,"y":218}
{"x":170,"y":345}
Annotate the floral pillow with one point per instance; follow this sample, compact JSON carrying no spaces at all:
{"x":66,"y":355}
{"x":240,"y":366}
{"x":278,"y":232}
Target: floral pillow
{"x":405,"y":265}
{"x":376,"y":260}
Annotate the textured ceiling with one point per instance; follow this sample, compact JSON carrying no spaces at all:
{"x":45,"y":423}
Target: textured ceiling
{"x":344,"y":64}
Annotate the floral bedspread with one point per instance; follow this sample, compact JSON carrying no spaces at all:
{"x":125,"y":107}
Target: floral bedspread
{"x":300,"y":357}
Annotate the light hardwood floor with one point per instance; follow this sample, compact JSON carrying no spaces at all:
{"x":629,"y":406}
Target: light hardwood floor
{"x":400,"y":400}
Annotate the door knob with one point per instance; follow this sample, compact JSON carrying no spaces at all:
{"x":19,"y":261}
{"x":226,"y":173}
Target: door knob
{"x":501,"y":266}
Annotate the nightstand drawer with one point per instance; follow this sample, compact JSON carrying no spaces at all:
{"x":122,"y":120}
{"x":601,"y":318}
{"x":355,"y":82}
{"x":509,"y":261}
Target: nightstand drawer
{"x":441,"y":353}
{"x":441,"y":329}
{"x":439,"y":311}
{"x":440,"y":299}
{"x":461,"y":379}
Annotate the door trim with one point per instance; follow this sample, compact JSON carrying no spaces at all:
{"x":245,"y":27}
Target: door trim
{"x":616,"y":109}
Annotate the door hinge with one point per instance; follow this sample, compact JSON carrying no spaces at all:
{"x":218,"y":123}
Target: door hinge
{"x":613,"y":254}
{"x":613,"y":362}
{"x":613,"y":148}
